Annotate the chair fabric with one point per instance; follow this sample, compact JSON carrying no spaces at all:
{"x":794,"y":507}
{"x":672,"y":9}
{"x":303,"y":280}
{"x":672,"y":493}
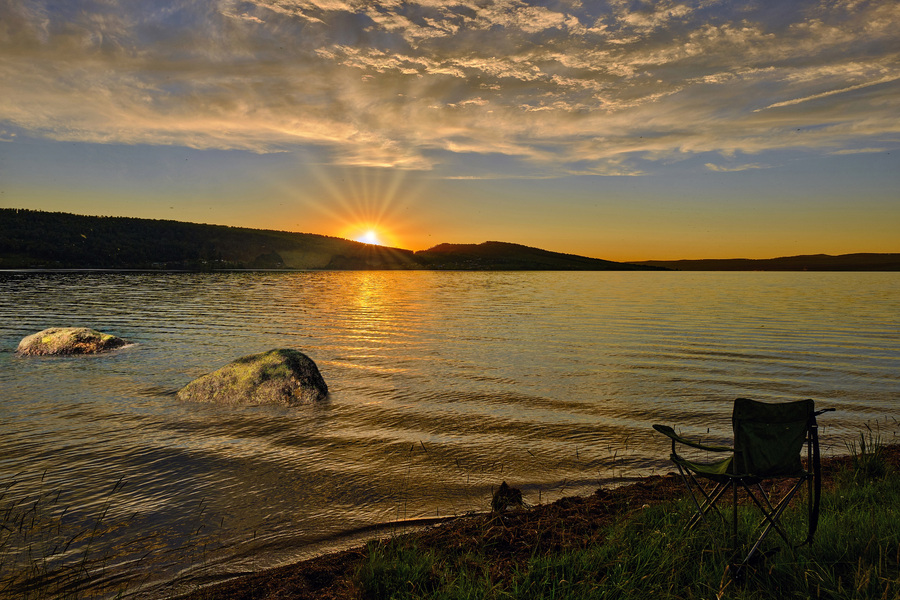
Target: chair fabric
{"x":769,"y":438}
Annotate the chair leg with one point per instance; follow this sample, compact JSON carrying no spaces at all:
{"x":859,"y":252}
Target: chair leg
{"x":734,"y":515}
{"x":709,"y":499}
{"x":770,"y":517}
{"x":709,"y":503}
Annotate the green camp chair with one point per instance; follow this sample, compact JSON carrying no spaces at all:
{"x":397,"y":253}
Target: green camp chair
{"x":768,"y":444}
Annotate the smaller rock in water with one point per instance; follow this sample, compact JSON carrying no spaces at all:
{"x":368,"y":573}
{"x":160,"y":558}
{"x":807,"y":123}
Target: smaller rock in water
{"x":285,"y":377}
{"x":68,"y":340}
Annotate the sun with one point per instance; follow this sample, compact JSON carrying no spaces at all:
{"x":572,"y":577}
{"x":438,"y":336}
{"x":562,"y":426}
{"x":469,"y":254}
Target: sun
{"x":369,"y":237}
{"x":367,"y":232}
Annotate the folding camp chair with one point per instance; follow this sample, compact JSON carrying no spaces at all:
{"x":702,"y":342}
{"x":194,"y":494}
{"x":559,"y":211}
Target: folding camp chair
{"x":768,"y":444}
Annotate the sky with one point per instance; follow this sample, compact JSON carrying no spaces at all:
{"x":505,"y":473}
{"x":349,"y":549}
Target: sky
{"x":623,"y":130}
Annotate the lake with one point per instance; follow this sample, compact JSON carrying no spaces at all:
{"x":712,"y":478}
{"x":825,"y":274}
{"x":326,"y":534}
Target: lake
{"x":442,"y":385}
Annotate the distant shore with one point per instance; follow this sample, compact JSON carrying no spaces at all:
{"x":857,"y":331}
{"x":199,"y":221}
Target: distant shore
{"x":62,"y":242}
{"x":813,"y":262}
{"x":34,"y":239}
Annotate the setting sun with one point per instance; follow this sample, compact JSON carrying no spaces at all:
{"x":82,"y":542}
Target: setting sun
{"x":369,"y":237}
{"x":367,"y":233}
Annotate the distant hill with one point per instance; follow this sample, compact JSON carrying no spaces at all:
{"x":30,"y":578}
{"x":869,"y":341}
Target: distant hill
{"x":512,"y":257}
{"x":45,"y":240}
{"x":811,"y":262}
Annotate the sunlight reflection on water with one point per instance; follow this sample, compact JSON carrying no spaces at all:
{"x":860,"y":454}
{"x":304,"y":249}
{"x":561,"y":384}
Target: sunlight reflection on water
{"x":441,"y":386}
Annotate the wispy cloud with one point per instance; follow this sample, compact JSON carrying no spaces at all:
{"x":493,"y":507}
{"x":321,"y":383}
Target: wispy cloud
{"x":859,"y":151}
{"x":887,"y":79}
{"x":734,"y":168}
{"x":607,"y":87}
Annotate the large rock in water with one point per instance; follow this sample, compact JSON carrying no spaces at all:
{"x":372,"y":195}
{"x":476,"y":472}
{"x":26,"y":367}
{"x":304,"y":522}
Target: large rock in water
{"x":285,"y":377}
{"x":68,"y":340}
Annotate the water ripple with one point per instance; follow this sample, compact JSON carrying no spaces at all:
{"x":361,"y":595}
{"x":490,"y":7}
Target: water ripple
{"x":441,"y":386}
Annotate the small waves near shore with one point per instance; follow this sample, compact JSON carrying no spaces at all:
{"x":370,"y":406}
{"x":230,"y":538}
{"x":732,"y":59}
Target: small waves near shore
{"x":442,"y":385}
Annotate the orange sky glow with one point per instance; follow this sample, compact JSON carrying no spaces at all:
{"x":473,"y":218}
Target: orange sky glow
{"x":616,"y":130}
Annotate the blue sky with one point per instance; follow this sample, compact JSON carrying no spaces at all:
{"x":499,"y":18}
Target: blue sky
{"x":620,"y":130}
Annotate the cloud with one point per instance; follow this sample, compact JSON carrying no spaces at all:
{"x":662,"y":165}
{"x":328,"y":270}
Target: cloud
{"x":859,"y":151}
{"x":565,"y":87}
{"x":887,"y":79}
{"x":735,"y":168}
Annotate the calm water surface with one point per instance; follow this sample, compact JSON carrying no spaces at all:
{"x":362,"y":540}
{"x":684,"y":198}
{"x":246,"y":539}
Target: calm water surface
{"x":442,"y":385}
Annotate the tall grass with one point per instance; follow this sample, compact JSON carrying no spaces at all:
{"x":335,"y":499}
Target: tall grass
{"x":648,"y":554}
{"x":867,"y":455}
{"x":52,"y":550}
{"x":48,"y":550}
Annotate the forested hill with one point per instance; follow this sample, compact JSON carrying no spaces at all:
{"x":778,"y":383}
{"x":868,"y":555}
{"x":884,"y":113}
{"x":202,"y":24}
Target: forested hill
{"x":35,"y":239}
{"x":503,"y":255}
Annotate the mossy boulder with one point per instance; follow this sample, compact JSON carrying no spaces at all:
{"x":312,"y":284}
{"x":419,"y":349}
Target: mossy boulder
{"x":285,"y":377}
{"x":68,"y":340}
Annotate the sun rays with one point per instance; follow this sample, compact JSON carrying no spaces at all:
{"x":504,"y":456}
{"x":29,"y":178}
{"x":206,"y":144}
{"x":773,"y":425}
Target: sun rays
{"x":368,"y":205}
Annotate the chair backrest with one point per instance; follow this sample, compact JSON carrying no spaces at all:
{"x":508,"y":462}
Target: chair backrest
{"x":768,"y":438}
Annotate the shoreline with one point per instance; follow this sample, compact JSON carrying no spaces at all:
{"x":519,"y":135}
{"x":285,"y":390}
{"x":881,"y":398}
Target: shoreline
{"x":516,"y":534}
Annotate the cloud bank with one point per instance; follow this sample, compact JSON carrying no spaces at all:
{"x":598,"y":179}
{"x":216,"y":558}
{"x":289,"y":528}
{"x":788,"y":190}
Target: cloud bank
{"x":555,"y":88}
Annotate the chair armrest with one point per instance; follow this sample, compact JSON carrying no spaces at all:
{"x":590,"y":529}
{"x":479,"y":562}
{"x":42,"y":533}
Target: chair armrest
{"x":668,"y":431}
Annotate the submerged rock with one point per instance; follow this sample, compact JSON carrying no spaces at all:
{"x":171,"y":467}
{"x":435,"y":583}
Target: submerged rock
{"x":68,"y":340}
{"x":285,"y":377}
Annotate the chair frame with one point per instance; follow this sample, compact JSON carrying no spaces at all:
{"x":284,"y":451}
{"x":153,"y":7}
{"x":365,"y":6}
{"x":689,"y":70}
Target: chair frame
{"x":721,"y":473}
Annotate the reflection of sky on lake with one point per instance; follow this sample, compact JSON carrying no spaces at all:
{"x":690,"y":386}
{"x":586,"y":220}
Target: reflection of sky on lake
{"x":442,"y":385}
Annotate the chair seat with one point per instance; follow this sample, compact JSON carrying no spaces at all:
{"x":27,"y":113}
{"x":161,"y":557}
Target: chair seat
{"x":719,"y":470}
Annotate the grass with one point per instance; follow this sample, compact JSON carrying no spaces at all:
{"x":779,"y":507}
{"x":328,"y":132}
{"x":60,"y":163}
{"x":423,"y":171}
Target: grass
{"x":51,"y":550}
{"x":867,"y":456}
{"x":48,"y":550}
{"x":647,"y":554}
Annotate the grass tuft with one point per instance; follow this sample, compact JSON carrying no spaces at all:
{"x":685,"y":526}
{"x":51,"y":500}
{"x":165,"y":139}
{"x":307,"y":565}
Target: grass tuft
{"x":867,"y":455}
{"x":396,"y":571}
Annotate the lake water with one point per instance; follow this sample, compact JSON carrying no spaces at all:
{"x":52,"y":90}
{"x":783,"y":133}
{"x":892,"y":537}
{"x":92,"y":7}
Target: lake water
{"x":442,"y":385}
